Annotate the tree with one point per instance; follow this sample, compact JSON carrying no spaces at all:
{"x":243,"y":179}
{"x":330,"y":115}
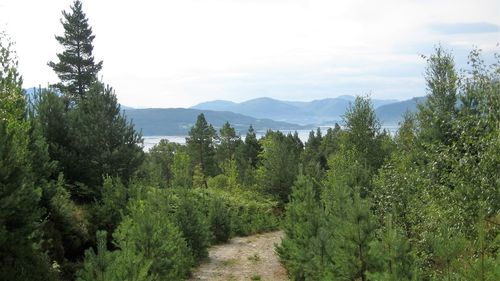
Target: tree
{"x":76,"y":68}
{"x":247,"y":157}
{"x":103,"y":142}
{"x":181,"y":170}
{"x":391,"y":254}
{"x":436,"y":114}
{"x":149,"y":232}
{"x":219,"y":220}
{"x":200,"y":144}
{"x":312,"y":157}
{"x":162,"y":158}
{"x":19,"y":197}
{"x":121,"y":265}
{"x":362,"y":130}
{"x":279,"y":165}
{"x":229,"y":141}
{"x":302,"y":250}
{"x":193,"y":224}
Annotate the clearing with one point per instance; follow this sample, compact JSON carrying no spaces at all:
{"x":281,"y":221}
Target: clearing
{"x":243,"y":258}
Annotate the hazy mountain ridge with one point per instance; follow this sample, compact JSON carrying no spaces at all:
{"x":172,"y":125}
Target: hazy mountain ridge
{"x":393,"y":113}
{"x":178,"y":121}
{"x":300,"y":112}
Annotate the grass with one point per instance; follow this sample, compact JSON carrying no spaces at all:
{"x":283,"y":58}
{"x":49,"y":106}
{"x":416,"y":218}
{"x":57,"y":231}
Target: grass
{"x":254,"y":258}
{"x":255,"y":277}
{"x":229,"y":262}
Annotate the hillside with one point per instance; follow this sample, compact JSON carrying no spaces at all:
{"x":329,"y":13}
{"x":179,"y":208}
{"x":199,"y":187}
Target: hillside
{"x":299,"y":112}
{"x":393,"y":113}
{"x":178,"y":121}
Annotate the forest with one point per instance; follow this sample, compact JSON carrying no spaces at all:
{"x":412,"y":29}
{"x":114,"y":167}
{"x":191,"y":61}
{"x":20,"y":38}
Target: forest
{"x":81,"y":200}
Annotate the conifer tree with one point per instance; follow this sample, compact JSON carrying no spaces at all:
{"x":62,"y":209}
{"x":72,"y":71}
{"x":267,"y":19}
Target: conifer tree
{"x":219,"y":220}
{"x":228,"y":142}
{"x":19,"y":197}
{"x":76,"y":68}
{"x":99,"y":120}
{"x":193,"y":225}
{"x":162,"y":156}
{"x":391,"y":255}
{"x":252,"y":147}
{"x":246,"y":156}
{"x":120,"y":265}
{"x":181,"y":171}
{"x":149,"y":232}
{"x":279,"y":165}
{"x":312,"y":158}
{"x":201,"y":147}
{"x":302,"y":250}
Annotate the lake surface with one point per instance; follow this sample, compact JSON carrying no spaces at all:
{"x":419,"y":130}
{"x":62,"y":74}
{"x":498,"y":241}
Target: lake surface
{"x":150,"y":141}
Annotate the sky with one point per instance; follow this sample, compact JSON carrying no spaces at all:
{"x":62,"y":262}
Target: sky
{"x":177,"y":53}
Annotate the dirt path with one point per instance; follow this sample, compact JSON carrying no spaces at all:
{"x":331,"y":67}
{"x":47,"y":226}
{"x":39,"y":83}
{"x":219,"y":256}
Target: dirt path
{"x":243,"y":258}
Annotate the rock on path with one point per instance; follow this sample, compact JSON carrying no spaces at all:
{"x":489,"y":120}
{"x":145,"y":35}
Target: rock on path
{"x":243,"y":258}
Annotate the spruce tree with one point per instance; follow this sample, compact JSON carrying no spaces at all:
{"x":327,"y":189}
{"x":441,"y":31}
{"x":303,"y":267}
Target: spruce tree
{"x":76,"y":68}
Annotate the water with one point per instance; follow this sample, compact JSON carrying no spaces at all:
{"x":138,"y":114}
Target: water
{"x":150,"y":141}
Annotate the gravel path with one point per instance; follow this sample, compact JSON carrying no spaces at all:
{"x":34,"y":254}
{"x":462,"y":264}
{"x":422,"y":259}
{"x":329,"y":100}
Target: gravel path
{"x":243,"y":258}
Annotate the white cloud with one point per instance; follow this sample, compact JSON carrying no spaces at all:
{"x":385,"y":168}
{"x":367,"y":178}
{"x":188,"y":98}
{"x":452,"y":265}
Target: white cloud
{"x":180,"y":52}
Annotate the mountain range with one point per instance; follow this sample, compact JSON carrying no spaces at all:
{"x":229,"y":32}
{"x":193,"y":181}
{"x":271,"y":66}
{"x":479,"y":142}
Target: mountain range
{"x":178,"y":121}
{"x":262,"y":114}
{"x":298,"y":112}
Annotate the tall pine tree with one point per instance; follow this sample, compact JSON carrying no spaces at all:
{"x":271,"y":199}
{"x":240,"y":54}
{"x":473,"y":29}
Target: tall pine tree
{"x":76,"y":67}
{"x":200,"y":143}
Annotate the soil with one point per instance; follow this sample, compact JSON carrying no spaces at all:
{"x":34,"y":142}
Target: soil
{"x":243,"y":258}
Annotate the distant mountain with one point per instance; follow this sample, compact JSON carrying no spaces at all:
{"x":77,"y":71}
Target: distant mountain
{"x":313,"y":112}
{"x":178,"y":121}
{"x":123,"y":107}
{"x":392,"y":114}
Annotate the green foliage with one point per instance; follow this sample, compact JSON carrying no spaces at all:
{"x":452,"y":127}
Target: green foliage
{"x":391,"y":255}
{"x":313,"y":159}
{"x":363,"y":132}
{"x":20,"y":257}
{"x":228,"y":142}
{"x":248,"y":211}
{"x":76,"y":67}
{"x":219,"y":220}
{"x":149,"y":232}
{"x":106,"y":213}
{"x":279,"y":165}
{"x":65,"y":227}
{"x":200,"y":145}
{"x":181,"y":169}
{"x":102,"y":141}
{"x":193,"y":224}
{"x":121,"y":265}
{"x":161,"y":160}
{"x":302,"y":250}
{"x":436,"y":114}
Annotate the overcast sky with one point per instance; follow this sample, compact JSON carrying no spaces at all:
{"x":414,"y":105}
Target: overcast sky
{"x":176,"y":53}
